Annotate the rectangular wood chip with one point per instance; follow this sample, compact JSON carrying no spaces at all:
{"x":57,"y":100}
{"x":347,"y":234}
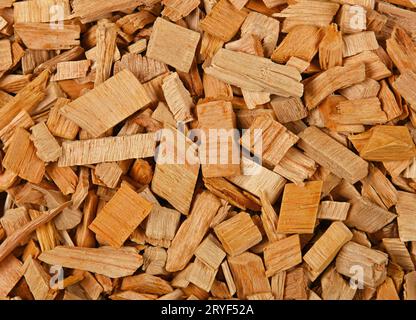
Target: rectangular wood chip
{"x":108,"y":104}
{"x":120,"y":216}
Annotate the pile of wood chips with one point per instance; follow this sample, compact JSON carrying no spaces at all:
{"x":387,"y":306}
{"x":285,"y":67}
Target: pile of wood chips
{"x":87,"y":85}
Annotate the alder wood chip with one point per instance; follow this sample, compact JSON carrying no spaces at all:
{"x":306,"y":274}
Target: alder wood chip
{"x":372,"y":261}
{"x":375,"y":67}
{"x":138,"y":47}
{"x":316,"y":13}
{"x":257,"y":179}
{"x":144,"y":68}
{"x":409,"y":286}
{"x":27,"y":99}
{"x":192,"y":231}
{"x":13,"y":220}
{"x":387,"y":291}
{"x":299,"y":208}
{"x":241,"y":69}
{"x":154,"y":260}
{"x":175,"y":181}
{"x":11,"y":271}
{"x":387,"y":143}
{"x":274,"y":141}
{"x":330,"y":81}
{"x":83,"y":152}
{"x":21,"y":157}
{"x":296,"y":166}
{"x":168,"y":38}
{"x":367,"y":89}
{"x":38,"y":281}
{"x":367,"y":216}
{"x":332,"y":155}
{"x":120,"y":216}
{"x":402,"y":50}
{"x":39,"y":10}
{"x":147,"y":284}
{"x":92,"y":10}
{"x":288,"y":109}
{"x":71,"y":70}
{"x":22,"y":120}
{"x":178,"y":98}
{"x":218,"y":115}
{"x":238,"y":234}
{"x":210,"y":252}
{"x":46,"y":234}
{"x":301,"y":42}
{"x":228,"y":278}
{"x":201,"y":275}
{"x":39,"y":36}
{"x":224,"y":20}
{"x":225,"y":190}
{"x":162,"y":223}
{"x":324,"y":251}
{"x":359,"y":42}
{"x":406,"y":219}
{"x":177,"y":9}
{"x":282,"y":255}
{"x":6,"y":60}
{"x":110,"y":262}
{"x":131,"y":23}
{"x":353,"y":19}
{"x":108,"y":104}
{"x":398,"y":253}
{"x":332,"y":210}
{"x":296,"y":285}
{"x":249,"y":275}
{"x":379,"y":188}
{"x":334,"y":287}
{"x":47,"y":148}
{"x":266,"y":29}
{"x":404,"y":84}
{"x":370,"y":112}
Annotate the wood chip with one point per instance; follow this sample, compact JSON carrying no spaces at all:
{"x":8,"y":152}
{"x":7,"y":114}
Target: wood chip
{"x":274,"y":142}
{"x":372,"y":262}
{"x":167,"y":38}
{"x":406,"y":219}
{"x":109,"y":149}
{"x":323,"y":251}
{"x":110,"y":262}
{"x":192,"y":231}
{"x":10,"y":273}
{"x":248,"y":264}
{"x":333,"y":156}
{"x":226,"y":65}
{"x":299,"y":208}
{"x":388,"y":143}
{"x":224,"y":20}
{"x":331,"y":80}
{"x":210,"y":252}
{"x":47,"y":148}
{"x":399,"y":254}
{"x":282,"y":255}
{"x":238,"y":234}
{"x":367,"y":216}
{"x":39,"y":36}
{"x":332,"y":210}
{"x":114,"y":97}
{"x":21,"y":157}
{"x":120,"y":216}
